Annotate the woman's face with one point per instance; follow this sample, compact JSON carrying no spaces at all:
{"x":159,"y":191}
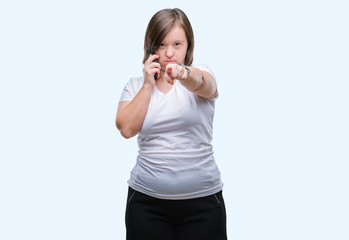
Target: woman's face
{"x":173,"y":47}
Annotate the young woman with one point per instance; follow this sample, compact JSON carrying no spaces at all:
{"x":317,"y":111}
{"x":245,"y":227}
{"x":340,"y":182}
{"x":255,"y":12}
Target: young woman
{"x":175,"y":189}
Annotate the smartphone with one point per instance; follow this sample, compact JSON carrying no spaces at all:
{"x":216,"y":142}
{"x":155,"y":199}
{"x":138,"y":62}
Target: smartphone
{"x":156,"y":60}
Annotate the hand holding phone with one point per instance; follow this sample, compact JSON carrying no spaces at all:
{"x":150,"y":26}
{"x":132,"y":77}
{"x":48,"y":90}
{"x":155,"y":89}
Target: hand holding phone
{"x":156,"y":74}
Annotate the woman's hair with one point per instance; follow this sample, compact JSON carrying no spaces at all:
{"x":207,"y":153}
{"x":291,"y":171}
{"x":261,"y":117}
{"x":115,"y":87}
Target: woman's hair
{"x":163,"y":22}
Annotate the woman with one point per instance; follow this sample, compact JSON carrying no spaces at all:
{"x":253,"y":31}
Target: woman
{"x":175,"y":189}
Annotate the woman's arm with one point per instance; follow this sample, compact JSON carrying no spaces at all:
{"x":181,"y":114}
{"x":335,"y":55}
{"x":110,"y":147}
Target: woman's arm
{"x":131,"y":114}
{"x":199,"y":82}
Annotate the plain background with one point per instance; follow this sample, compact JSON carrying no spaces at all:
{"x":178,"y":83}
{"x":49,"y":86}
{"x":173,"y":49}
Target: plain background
{"x":280,"y":131}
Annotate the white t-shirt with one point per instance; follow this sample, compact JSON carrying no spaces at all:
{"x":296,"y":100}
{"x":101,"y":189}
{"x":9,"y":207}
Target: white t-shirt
{"x":175,"y":158}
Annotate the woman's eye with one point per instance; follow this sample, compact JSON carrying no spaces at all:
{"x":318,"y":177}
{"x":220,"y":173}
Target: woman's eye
{"x":162,"y":45}
{"x":177,"y":44}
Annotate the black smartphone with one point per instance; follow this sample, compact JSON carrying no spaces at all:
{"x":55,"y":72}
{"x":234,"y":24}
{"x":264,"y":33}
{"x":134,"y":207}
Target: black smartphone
{"x":156,"y":60}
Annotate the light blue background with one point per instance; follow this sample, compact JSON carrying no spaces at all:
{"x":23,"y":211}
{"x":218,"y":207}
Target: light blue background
{"x":280,"y":132}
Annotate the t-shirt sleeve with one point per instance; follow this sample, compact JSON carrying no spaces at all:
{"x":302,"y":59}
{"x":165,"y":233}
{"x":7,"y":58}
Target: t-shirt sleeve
{"x":131,"y":89}
{"x":205,"y":68}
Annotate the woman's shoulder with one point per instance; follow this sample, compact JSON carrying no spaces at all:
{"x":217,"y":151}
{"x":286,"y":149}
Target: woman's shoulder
{"x":135,"y":82}
{"x":132,"y":87}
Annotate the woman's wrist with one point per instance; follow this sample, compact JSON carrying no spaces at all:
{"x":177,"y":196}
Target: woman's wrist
{"x":194,"y":80}
{"x":148,"y":85}
{"x":186,"y":68}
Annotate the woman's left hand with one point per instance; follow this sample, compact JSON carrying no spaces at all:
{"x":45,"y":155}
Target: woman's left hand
{"x":174,"y":71}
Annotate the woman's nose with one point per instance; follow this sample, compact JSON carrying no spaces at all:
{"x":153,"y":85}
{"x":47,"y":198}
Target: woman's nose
{"x":169,"y":52}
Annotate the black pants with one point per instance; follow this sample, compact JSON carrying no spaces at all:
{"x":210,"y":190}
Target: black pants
{"x":149,"y":218}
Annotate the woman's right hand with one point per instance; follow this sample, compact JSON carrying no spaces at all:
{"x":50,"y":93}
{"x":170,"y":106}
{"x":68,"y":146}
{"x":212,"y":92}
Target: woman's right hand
{"x":150,"y":68}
